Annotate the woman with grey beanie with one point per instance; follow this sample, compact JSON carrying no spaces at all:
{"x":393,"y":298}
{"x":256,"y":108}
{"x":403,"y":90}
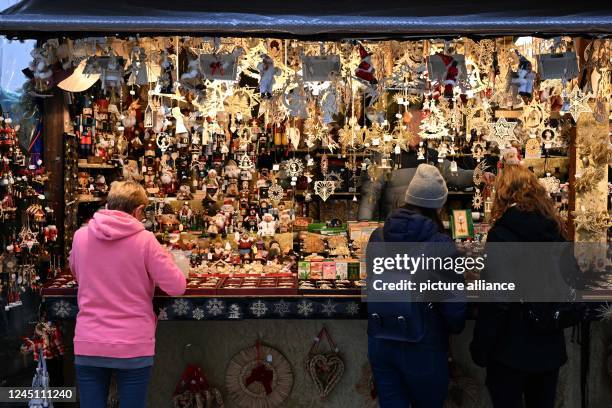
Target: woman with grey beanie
{"x":408,"y":341}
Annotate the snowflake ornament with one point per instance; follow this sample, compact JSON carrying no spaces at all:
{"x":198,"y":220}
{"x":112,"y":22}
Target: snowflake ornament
{"x":180,"y":307}
{"x":579,"y":103}
{"x":328,"y":308}
{"x":215,"y":307}
{"x":234,"y":312}
{"x":258,"y":308}
{"x":501,"y":132}
{"x":305,"y":308}
{"x":163,"y":314}
{"x":294,"y":167}
{"x":276,"y":193}
{"x":198,"y":313}
{"x":62,"y":309}
{"x":281,"y":308}
{"x":352,"y":308}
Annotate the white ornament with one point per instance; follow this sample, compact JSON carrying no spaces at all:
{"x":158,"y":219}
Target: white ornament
{"x":305,"y":308}
{"x":258,"y":308}
{"x":501,"y":132}
{"x":329,"y":308}
{"x":276,"y":193}
{"x":198,"y":313}
{"x":294,"y":167}
{"x":246,"y":163}
{"x":180,"y":307}
{"x":215,"y":307}
{"x":281,"y":308}
{"x":324,"y":188}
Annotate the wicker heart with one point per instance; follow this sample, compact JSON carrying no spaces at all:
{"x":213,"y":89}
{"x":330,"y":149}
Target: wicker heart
{"x":325,"y":371}
{"x":324,"y":189}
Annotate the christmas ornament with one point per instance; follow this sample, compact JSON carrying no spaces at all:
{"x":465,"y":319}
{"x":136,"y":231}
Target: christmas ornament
{"x":365,"y":70}
{"x":259,"y":376}
{"x":478,"y":151}
{"x":276,"y":193}
{"x":324,"y":189}
{"x":578,"y":103}
{"x":246,"y":163}
{"x":477,"y":200}
{"x":325,"y":368}
{"x":551,"y":184}
{"x":294,"y":167}
{"x":501,"y":132}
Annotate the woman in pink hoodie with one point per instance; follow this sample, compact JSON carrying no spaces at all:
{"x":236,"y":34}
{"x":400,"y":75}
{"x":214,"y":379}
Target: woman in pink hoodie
{"x":118,"y":264}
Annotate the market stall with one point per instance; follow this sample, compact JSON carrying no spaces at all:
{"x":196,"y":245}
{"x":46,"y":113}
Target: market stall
{"x":269,"y":161}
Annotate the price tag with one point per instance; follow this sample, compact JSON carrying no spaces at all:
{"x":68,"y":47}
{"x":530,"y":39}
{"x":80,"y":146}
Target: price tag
{"x":453,"y":166}
{"x":376,"y":142}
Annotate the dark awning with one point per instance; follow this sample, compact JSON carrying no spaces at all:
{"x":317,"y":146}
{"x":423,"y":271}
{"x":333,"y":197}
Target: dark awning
{"x":312,"y":18}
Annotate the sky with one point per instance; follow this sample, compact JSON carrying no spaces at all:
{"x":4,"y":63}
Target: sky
{"x":14,"y":56}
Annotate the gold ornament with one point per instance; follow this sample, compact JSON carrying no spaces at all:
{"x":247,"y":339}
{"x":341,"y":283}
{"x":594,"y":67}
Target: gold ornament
{"x":501,"y":132}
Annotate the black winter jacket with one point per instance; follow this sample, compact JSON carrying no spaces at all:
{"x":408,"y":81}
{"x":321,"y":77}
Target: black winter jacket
{"x":502,"y":333}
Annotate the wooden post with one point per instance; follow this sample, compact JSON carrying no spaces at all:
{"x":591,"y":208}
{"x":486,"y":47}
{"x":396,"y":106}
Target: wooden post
{"x":55,"y":112}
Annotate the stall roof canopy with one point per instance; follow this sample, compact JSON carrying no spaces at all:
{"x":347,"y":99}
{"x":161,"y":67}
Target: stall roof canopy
{"x":312,"y":18}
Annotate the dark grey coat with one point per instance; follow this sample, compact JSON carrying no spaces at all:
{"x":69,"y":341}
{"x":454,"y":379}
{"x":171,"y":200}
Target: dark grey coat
{"x":379,"y":197}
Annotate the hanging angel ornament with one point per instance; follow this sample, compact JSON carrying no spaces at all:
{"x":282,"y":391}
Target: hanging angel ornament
{"x":267,"y":72}
{"x":329,"y":105}
{"x":525,"y":77}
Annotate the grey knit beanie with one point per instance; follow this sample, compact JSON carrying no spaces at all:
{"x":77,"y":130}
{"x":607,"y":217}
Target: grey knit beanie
{"x":427,"y":188}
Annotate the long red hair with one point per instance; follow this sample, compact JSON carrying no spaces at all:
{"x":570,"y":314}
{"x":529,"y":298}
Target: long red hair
{"x":517,"y":186}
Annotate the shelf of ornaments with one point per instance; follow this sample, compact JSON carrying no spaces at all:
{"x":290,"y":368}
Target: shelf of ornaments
{"x":96,"y":166}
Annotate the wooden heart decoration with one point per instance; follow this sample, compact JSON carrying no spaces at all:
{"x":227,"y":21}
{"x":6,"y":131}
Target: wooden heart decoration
{"x":324,"y":188}
{"x":326,"y":370}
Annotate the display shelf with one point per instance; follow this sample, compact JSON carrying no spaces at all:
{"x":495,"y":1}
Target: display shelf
{"x":95,"y":166}
{"x":89,"y":199}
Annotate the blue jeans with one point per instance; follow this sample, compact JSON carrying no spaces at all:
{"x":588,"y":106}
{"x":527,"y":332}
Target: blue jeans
{"x":405,"y":377}
{"x":131,"y":386}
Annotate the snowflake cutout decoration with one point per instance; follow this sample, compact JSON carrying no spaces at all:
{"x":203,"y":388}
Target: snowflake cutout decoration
{"x":281,"y":308}
{"x":328,"y":308}
{"x":305,"y":308}
{"x":276,"y":193}
{"x":336,"y":178}
{"x":198,"y":313}
{"x":258,"y":308}
{"x":294,"y":167}
{"x":501,"y":132}
{"x":62,"y":309}
{"x":162,"y":315}
{"x":234,"y":312}
{"x":578,"y":103}
{"x":215,"y":307}
{"x":180,"y":307}
{"x":352,"y":308}
{"x":324,"y":188}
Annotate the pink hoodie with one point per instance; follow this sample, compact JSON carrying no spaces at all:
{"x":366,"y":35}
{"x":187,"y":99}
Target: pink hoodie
{"x":117,"y":264}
